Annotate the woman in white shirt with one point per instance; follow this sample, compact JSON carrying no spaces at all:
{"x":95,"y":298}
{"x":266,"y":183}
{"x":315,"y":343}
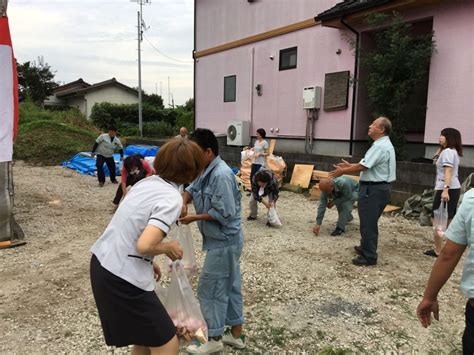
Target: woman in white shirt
{"x":447,"y":185}
{"x":122,"y":269}
{"x":260,"y":150}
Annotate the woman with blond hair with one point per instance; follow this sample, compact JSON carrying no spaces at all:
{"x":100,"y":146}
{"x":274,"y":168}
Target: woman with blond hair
{"x":122,"y":269}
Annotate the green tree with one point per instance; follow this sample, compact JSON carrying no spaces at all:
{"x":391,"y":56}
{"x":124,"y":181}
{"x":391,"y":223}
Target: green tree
{"x":154,"y":100}
{"x":189,"y":104}
{"x":35,"y":80}
{"x":398,"y":62}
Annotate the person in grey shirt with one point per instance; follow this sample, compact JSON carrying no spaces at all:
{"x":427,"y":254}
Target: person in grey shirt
{"x":378,"y":169}
{"x":105,"y":146}
{"x":342,"y":191}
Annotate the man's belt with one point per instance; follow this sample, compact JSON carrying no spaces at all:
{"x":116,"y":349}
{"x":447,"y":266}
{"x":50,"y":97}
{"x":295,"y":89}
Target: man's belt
{"x":373,"y":182}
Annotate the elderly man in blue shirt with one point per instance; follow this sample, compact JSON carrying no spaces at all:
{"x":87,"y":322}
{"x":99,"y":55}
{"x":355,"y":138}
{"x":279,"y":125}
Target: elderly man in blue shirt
{"x":460,"y":235}
{"x":377,"y":172}
{"x":216,"y":198}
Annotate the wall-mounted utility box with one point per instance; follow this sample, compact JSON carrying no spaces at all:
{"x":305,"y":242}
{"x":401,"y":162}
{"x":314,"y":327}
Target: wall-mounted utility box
{"x":312,"y":97}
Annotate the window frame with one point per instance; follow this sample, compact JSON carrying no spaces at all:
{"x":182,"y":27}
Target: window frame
{"x":226,"y":99}
{"x":286,"y":51}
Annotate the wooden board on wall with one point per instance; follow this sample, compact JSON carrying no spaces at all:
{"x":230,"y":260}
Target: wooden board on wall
{"x":336,"y":91}
{"x":271,"y":148}
{"x":301,"y":176}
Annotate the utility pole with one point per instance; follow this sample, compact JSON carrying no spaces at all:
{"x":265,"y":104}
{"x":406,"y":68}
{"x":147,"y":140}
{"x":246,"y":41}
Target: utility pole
{"x":140,"y":27}
{"x":169,"y":93}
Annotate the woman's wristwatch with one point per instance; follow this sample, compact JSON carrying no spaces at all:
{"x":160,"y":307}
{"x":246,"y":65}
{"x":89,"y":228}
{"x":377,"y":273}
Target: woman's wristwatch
{"x":446,"y":187}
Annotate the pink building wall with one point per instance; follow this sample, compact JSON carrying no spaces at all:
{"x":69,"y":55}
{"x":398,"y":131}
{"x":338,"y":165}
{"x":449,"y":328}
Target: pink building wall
{"x":280,"y":106}
{"x":223,"y":21}
{"x":451,"y":83}
{"x":451,"y":86}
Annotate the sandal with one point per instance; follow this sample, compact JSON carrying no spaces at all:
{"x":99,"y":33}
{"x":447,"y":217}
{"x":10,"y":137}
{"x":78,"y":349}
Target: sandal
{"x":431,"y":252}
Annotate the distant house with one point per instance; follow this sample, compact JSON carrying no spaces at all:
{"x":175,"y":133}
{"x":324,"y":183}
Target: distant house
{"x":84,"y":95}
{"x":254,"y":58}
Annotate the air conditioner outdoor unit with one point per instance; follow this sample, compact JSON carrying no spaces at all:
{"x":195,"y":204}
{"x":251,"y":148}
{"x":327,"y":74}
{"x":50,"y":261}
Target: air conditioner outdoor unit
{"x":238,"y":133}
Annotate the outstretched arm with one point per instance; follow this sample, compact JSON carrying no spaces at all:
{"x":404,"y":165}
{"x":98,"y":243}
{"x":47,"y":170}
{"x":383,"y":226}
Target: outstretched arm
{"x":346,"y":168}
{"x":441,"y":272}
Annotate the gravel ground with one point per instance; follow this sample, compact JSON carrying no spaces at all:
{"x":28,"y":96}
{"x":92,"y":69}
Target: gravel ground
{"x":301,"y":292}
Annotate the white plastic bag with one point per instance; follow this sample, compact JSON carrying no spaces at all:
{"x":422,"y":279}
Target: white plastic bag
{"x":440,"y":217}
{"x":183,"y":307}
{"x":273,"y":217}
{"x":161,"y":292}
{"x":184,"y":236}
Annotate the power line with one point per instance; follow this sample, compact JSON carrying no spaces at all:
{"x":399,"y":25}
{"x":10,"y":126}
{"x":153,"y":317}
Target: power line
{"x":165,"y":55}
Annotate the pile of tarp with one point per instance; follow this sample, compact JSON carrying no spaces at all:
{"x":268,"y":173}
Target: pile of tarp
{"x":84,"y":163}
{"x":421,"y":206}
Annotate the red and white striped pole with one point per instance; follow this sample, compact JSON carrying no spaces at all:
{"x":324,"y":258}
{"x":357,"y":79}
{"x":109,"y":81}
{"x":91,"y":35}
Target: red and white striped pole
{"x":8,"y":93}
{"x":10,"y":232}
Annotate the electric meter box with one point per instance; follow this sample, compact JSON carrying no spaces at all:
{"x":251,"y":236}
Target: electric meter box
{"x":312,"y":97}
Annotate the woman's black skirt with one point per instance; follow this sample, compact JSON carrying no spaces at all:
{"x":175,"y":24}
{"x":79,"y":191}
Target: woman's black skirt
{"x":129,"y":315}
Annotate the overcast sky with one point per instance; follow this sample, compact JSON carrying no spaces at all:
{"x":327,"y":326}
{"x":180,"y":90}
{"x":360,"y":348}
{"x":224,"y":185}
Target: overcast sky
{"x":97,"y":40}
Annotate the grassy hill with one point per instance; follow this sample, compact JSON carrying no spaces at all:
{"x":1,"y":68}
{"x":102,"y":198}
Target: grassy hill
{"x":49,"y":137}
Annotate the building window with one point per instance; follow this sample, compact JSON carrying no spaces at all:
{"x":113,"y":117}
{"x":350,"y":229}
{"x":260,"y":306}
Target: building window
{"x":229,"y":88}
{"x":288,"y":58}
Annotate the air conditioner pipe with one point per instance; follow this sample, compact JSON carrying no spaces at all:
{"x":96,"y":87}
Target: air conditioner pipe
{"x":311,"y":115}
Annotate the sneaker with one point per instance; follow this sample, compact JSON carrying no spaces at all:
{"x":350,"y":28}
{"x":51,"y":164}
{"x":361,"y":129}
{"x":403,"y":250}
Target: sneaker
{"x":250,"y":218}
{"x":212,"y":346}
{"x":228,"y":339}
{"x":101,"y":184}
{"x":336,"y":232}
{"x":358,"y":250}
{"x":114,"y":182}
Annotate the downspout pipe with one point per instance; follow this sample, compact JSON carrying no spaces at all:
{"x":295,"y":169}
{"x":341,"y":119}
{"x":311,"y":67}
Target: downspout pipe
{"x":354,"y":90}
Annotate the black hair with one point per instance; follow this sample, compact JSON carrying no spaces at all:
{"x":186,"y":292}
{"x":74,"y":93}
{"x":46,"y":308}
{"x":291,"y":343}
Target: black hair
{"x":262,"y":132}
{"x":453,"y":139}
{"x":206,"y":139}
{"x":133,"y":161}
{"x":112,"y":128}
{"x":262,"y":176}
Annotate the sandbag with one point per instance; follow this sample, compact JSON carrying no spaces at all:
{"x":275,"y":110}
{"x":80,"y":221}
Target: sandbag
{"x":274,"y":163}
{"x":183,"y":307}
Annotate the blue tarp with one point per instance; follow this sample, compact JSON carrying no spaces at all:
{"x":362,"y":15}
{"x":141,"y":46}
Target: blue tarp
{"x":146,"y":151}
{"x":86,"y":165}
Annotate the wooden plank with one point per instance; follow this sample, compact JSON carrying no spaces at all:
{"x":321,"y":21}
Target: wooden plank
{"x":271,"y":148}
{"x":5,"y":244}
{"x":320,"y":174}
{"x":390,"y":208}
{"x":302,"y":175}
{"x":258,"y":37}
